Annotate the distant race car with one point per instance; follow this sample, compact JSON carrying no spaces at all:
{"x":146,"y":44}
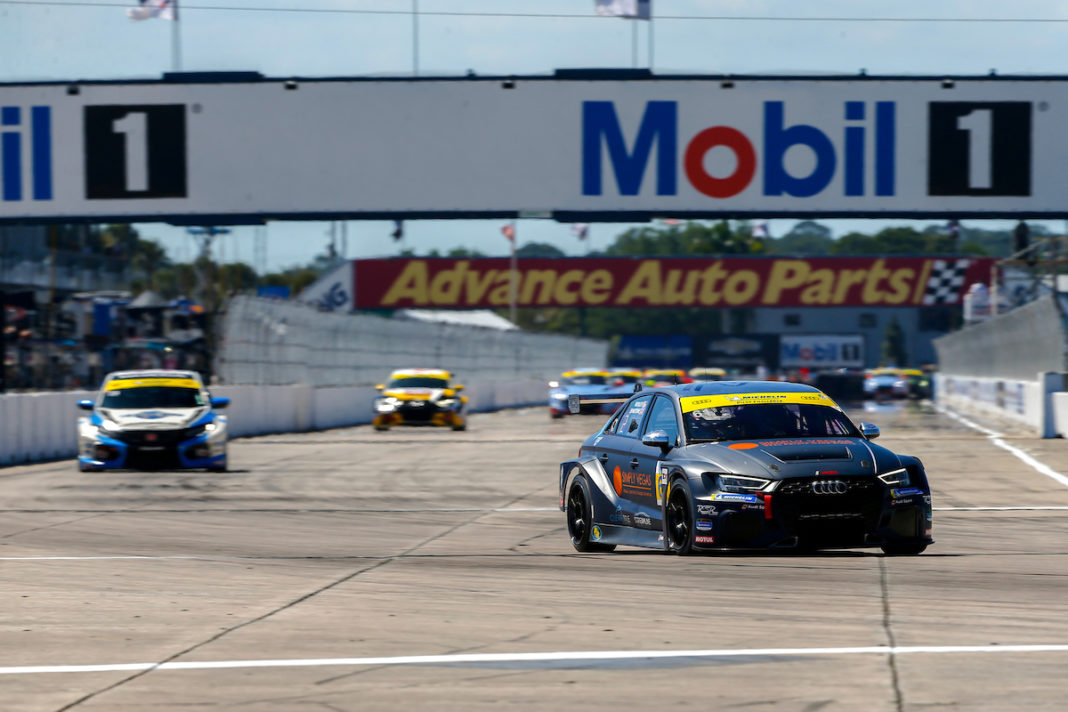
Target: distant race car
{"x":150,"y":420}
{"x":882,"y":383}
{"x":420,"y":396}
{"x":918,"y":383}
{"x":707,"y":374}
{"x":658,"y":377}
{"x":742,"y":465}
{"x":589,"y":383}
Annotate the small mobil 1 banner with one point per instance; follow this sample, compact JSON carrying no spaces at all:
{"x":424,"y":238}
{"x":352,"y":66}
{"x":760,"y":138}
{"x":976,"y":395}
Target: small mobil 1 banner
{"x":666,"y":282}
{"x":567,"y":146}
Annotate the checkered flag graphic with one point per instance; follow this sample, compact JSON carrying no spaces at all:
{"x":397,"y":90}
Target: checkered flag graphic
{"x":945,"y":283}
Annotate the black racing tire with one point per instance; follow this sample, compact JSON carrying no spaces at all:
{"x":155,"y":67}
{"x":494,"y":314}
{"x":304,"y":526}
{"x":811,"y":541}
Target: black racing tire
{"x":458,"y":428}
{"x":678,"y":520}
{"x":904,"y":548}
{"x":381,"y":428}
{"x":580,"y":518}
{"x":555,"y":416}
{"x":217,"y":468}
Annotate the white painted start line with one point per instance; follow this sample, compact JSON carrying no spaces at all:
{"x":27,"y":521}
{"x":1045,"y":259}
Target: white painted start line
{"x":592,"y":655}
{"x":995,"y":438}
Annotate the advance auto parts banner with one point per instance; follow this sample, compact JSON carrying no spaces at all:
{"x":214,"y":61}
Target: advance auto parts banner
{"x":666,"y":282}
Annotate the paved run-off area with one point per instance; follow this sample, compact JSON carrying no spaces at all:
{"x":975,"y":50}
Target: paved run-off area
{"x":319,"y":573}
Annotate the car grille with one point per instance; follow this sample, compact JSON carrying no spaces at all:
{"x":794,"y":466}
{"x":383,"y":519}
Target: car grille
{"x":417,"y":413}
{"x":165,"y":459}
{"x":156,"y":437}
{"x":835,"y":518}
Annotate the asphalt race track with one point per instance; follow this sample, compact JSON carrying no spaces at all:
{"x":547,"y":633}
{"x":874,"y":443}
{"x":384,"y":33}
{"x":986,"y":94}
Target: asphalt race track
{"x":321,"y":572}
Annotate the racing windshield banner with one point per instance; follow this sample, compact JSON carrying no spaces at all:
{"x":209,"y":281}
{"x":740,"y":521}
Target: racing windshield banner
{"x":690,"y":404}
{"x":666,"y":282}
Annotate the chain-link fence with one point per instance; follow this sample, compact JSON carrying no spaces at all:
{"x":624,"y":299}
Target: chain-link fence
{"x":269,"y":342}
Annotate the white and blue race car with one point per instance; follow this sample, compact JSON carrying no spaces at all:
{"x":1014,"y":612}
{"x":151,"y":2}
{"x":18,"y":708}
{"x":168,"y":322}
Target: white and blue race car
{"x":152,"y":420}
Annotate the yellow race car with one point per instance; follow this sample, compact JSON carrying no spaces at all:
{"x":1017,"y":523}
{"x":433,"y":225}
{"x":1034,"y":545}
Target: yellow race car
{"x":420,"y":396}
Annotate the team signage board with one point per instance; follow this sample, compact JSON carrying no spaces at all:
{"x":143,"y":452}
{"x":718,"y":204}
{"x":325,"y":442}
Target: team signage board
{"x":665,"y":282}
{"x":820,"y":351}
{"x":226,"y":148}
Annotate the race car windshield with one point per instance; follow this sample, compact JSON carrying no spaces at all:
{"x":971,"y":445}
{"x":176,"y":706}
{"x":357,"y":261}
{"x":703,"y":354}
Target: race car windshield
{"x":419,"y":382}
{"x":153,"y":397}
{"x":625,"y":378}
{"x":584,"y":381}
{"x":766,"y":420}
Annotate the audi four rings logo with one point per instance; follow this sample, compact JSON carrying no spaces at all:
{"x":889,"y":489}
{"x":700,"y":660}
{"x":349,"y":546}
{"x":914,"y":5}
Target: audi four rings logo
{"x":829,"y":487}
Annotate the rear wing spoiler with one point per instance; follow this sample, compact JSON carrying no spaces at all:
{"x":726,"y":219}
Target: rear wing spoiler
{"x":575,"y":401}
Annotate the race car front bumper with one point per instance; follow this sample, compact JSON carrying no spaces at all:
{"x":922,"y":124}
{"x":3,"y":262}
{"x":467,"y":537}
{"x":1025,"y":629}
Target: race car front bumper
{"x":869,"y":515}
{"x":152,"y":450}
{"x":429,"y":415}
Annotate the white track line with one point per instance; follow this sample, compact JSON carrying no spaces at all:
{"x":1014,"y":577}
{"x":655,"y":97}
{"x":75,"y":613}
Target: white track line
{"x":999,"y":509}
{"x":995,"y":438}
{"x":596,"y":655}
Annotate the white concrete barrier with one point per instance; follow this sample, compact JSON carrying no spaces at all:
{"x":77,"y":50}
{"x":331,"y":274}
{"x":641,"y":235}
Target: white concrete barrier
{"x":1028,"y":402}
{"x":42,"y":426}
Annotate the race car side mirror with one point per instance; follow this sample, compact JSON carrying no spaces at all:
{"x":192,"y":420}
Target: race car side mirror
{"x":85,"y":404}
{"x":380,"y":386}
{"x":220,"y":402}
{"x":457,"y":387}
{"x":657,"y":438}
{"x":869,"y":430}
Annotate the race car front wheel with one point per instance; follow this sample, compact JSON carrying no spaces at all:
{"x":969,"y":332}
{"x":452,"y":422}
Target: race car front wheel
{"x":580,"y":518}
{"x":678,"y":522}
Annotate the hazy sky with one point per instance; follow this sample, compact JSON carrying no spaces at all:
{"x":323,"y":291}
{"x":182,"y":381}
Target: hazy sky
{"x":93,"y":39}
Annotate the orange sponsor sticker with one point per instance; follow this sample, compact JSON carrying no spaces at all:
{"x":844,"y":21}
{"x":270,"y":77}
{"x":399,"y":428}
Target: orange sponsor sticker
{"x":743,"y":446}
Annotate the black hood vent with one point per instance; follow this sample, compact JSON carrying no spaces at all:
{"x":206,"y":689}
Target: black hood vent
{"x":800,"y":454}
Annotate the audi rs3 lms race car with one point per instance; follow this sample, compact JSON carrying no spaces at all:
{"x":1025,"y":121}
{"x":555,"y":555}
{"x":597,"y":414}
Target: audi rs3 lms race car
{"x":150,"y":420}
{"x":742,"y":465}
{"x":420,"y":396}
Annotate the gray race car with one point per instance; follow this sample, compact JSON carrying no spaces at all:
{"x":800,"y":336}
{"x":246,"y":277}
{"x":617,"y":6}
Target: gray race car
{"x":742,"y":465}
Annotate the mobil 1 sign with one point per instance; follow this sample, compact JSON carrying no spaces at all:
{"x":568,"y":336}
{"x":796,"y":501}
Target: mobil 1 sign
{"x":821,"y":351}
{"x":568,"y":145}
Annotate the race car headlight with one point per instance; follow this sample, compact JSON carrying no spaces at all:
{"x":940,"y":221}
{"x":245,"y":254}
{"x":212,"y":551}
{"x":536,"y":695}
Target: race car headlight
{"x":896,"y":478}
{"x":740,"y":485}
{"x":446,"y":402}
{"x":109,"y":426}
{"x":386,"y":405}
{"x":558,"y":396}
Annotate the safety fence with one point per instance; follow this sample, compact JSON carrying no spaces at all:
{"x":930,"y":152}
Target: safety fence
{"x":271,"y":342}
{"x":42,"y":426}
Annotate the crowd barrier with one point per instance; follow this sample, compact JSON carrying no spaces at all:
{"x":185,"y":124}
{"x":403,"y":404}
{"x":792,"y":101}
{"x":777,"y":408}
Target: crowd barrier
{"x":42,"y":426}
{"x":1031,"y":402}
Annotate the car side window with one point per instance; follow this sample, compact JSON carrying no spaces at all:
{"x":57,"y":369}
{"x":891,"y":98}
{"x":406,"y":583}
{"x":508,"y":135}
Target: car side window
{"x":630,"y":421}
{"x":662,"y":417}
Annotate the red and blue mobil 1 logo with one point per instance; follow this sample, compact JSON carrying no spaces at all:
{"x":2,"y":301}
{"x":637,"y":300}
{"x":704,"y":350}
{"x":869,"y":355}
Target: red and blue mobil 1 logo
{"x":25,"y":153}
{"x":866,"y":129}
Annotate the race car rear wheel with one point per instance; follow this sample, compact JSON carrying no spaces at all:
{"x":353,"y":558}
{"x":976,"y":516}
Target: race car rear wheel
{"x":580,"y":518}
{"x":904,"y":548}
{"x":678,"y":522}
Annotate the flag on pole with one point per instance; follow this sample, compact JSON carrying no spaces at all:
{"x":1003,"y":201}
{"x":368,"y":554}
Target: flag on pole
{"x":147,"y":9}
{"x":580,"y":230}
{"x":636,"y":9}
{"x":398,"y":230}
{"x":760,"y":229}
{"x":509,"y":232}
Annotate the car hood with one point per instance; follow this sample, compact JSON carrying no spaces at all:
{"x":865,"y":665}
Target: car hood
{"x":792,"y":457}
{"x":153,"y":418}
